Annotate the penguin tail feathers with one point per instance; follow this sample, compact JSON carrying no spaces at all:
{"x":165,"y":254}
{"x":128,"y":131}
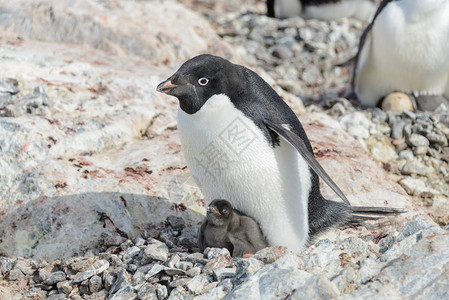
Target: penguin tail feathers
{"x":361,"y":214}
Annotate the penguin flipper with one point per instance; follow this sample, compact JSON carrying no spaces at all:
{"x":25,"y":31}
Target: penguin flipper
{"x":299,"y":144}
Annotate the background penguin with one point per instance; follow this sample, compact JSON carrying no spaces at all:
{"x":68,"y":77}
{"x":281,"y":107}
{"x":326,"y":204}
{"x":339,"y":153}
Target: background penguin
{"x":405,"y":48}
{"x":225,"y":227}
{"x":321,"y":9}
{"x":243,"y":143}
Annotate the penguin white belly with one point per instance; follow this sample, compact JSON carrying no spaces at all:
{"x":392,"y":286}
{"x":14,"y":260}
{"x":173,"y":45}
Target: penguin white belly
{"x":230,"y":158}
{"x":287,"y":8}
{"x":406,"y":50}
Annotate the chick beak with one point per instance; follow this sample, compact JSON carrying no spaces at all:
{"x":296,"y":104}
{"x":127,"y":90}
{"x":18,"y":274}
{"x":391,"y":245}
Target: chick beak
{"x":213,"y":210}
{"x":165,"y":87}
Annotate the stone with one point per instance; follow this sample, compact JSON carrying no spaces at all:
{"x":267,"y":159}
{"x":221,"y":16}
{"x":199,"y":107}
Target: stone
{"x":317,"y":287}
{"x":173,"y":261}
{"x":97,"y":267}
{"x":54,"y":278}
{"x":109,"y":278}
{"x":131,"y":253}
{"x":189,"y":237}
{"x":414,"y":167}
{"x":5,"y":265}
{"x":197,"y":284}
{"x":274,"y":281}
{"x":24,"y":266}
{"x":356,"y":124}
{"x":192,"y":272}
{"x":147,"y":292}
{"x":179,"y":294}
{"x":111,"y":238}
{"x":176,"y":222}
{"x":184,"y":265}
{"x":418,"y":140}
{"x":223,"y":273}
{"x":397,"y":102}
{"x":123,"y":280}
{"x":15,"y":274}
{"x":124,"y":293}
{"x":64,"y":287}
{"x":155,"y":251}
{"x":218,"y":292}
{"x":245,"y":268}
{"x":95,"y":284}
{"x":270,"y":254}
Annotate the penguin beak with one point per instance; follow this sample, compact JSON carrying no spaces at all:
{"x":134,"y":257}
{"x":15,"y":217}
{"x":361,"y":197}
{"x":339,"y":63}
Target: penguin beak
{"x":166,"y":87}
{"x":212,"y":210}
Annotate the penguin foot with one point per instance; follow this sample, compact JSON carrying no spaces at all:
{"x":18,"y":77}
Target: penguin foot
{"x":247,"y":255}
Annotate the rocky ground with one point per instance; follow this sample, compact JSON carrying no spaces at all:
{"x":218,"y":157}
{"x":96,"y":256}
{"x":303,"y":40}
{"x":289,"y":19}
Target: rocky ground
{"x":96,"y":201}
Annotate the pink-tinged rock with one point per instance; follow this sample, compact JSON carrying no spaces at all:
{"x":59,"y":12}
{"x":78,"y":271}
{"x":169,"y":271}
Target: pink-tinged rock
{"x":362,"y":179}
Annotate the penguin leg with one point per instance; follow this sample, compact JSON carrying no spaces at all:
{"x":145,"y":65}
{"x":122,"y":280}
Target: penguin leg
{"x":431,"y":102}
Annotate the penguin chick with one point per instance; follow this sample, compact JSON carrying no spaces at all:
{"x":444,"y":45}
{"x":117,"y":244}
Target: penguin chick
{"x":225,"y":227}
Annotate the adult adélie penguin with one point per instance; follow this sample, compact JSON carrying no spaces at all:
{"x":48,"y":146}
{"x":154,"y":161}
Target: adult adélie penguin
{"x":405,"y":49}
{"x":243,"y":143}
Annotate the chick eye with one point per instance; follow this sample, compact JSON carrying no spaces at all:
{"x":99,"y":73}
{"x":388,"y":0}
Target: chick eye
{"x":203,"y":81}
{"x":225,"y":210}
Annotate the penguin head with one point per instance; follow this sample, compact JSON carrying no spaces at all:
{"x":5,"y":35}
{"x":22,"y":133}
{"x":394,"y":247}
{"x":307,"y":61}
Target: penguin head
{"x":219,"y":212}
{"x":200,"y":78}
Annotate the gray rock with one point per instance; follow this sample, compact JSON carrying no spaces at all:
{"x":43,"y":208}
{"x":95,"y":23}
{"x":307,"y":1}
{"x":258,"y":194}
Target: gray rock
{"x":418,"y":140}
{"x":223,"y":273}
{"x":57,"y":297}
{"x":414,"y":167}
{"x":124,"y":293}
{"x":54,"y":278}
{"x":176,"y":222}
{"x":155,"y":251}
{"x":95,"y":284}
{"x":179,"y":294}
{"x":5,"y":265}
{"x":184,"y":265}
{"x":109,"y":279}
{"x":413,"y":227}
{"x":155,"y":269}
{"x":436,"y":138}
{"x":24,"y":266}
{"x":196,"y":258}
{"x":123,"y":280}
{"x":97,"y":267}
{"x":317,"y":287}
{"x":216,"y":252}
{"x":189,"y":237}
{"x":274,"y":281}
{"x":386,"y":243}
{"x":198,"y":283}
{"x":218,"y":292}
{"x":406,"y":154}
{"x":246,"y":267}
{"x":130,"y":253}
{"x":270,"y":254}
{"x":15,"y":274}
{"x":147,"y":292}
{"x":9,"y":86}
{"x":64,"y":287}
{"x":43,"y":274}
{"x":173,"y":261}
{"x":111,"y":239}
{"x":192,"y":272}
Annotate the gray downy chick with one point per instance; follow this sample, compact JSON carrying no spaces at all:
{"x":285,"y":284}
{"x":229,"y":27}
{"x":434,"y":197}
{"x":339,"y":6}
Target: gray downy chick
{"x":225,"y":227}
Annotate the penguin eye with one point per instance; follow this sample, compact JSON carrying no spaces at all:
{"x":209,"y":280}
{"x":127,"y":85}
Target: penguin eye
{"x":225,"y":210}
{"x":203,"y":81}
